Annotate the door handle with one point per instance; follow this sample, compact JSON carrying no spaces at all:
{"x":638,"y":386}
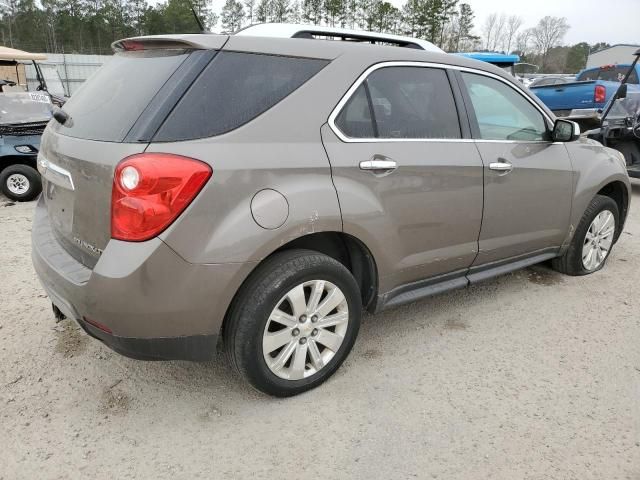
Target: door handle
{"x":380,"y":165}
{"x":501,"y":166}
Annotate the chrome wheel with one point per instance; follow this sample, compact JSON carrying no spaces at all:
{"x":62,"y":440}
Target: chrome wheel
{"x":18,"y":184}
{"x":305,"y":330}
{"x":598,"y":240}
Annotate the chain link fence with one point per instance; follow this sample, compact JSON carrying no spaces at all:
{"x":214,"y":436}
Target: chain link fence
{"x":72,"y":69}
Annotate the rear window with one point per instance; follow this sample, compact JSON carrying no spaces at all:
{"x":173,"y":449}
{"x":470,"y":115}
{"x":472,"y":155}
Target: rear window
{"x":609,"y":74}
{"x":234,"y":89}
{"x":110,"y":102}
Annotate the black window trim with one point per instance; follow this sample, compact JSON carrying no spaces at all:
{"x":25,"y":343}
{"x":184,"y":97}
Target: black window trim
{"x":168,"y":96}
{"x":345,"y":98}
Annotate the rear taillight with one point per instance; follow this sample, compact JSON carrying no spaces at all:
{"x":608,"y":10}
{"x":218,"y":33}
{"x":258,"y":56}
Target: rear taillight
{"x":150,"y":190}
{"x":600,"y":94}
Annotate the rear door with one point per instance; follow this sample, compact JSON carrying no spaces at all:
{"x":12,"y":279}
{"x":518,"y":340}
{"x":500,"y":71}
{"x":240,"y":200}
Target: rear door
{"x":409,"y":183}
{"x":527,"y":178}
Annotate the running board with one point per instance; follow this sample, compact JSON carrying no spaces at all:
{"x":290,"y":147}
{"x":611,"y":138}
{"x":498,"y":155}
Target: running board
{"x":423,"y":290}
{"x":485,"y":272}
{"x":426,"y":288}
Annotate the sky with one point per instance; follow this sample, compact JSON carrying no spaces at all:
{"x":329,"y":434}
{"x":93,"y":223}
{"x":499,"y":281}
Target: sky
{"x":591,"y":21}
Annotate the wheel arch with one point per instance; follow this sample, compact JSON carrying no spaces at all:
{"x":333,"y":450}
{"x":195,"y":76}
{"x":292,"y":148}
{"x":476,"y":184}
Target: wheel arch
{"x":349,"y":251}
{"x":617,"y":191}
{"x":9,"y":160}
{"x":344,"y":248}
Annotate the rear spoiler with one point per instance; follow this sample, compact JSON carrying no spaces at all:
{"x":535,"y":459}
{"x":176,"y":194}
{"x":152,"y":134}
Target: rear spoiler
{"x":170,"y":42}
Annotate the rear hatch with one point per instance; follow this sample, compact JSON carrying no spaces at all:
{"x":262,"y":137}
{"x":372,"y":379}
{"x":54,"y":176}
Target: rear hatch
{"x":112,"y":116}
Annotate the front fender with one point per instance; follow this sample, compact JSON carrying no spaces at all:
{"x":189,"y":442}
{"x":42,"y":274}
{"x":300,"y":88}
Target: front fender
{"x":595,"y":167}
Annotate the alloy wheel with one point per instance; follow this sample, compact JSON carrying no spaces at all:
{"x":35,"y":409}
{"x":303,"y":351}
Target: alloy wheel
{"x":305,"y":330}
{"x":598,"y":240}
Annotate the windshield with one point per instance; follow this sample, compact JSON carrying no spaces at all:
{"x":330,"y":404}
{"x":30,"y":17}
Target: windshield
{"x":24,"y":107}
{"x":52,"y":79}
{"x":626,"y":107}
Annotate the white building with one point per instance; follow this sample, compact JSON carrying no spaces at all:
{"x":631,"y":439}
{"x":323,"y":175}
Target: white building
{"x":612,"y":55}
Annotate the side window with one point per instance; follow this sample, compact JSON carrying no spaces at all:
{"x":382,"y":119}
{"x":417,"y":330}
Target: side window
{"x":413,"y":102}
{"x":501,"y":112}
{"x":354,"y":119}
{"x":407,"y":102}
{"x":587,"y":75}
{"x":234,"y":89}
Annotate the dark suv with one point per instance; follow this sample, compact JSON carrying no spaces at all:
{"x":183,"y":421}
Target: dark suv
{"x":267,"y":190}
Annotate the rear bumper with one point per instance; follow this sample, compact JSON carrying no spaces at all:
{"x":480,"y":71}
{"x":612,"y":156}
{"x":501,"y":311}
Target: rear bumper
{"x":152,"y":303}
{"x":195,"y":347}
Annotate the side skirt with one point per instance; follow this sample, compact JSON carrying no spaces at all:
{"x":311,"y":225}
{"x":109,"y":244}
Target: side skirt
{"x":451,"y":281}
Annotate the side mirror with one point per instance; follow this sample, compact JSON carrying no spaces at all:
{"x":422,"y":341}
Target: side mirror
{"x":565,"y":131}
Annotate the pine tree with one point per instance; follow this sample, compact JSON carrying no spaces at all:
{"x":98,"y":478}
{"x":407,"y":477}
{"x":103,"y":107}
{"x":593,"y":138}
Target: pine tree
{"x":312,"y":11}
{"x":280,"y":10}
{"x":295,"y":15}
{"x":263,"y":11}
{"x":249,"y":6}
{"x":232,"y":16}
{"x":334,"y":11}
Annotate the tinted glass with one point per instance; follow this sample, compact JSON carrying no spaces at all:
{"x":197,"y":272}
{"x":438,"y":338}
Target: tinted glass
{"x":413,"y":102}
{"x":234,"y":89}
{"x":609,"y":74}
{"x":109,"y":103}
{"x":355,"y":118}
{"x":503,"y":113}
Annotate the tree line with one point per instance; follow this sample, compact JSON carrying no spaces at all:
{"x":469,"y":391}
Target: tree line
{"x":90,"y":26}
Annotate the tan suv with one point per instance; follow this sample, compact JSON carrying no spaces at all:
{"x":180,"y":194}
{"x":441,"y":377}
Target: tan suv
{"x":264,"y":191}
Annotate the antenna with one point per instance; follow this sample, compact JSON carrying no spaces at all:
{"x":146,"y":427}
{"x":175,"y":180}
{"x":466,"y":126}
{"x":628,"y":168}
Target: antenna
{"x":198,"y":21}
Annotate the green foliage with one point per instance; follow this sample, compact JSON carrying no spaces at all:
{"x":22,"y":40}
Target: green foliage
{"x":577,"y":57}
{"x":90,"y":26}
{"x":232,"y":16}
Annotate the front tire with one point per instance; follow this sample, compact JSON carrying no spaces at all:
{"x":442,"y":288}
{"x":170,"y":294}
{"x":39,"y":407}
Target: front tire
{"x":293,"y":323}
{"x":594,"y":238}
{"x":20,"y":183}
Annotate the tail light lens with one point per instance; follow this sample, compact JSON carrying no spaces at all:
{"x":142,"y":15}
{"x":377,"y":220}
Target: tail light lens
{"x":600,"y":94}
{"x":150,"y":191}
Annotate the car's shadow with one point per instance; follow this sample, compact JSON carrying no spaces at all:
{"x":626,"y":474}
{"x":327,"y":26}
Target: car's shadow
{"x":435,"y":316}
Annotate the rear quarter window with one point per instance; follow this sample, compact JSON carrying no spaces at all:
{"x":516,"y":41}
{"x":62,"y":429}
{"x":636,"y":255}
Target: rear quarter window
{"x":235,"y":88}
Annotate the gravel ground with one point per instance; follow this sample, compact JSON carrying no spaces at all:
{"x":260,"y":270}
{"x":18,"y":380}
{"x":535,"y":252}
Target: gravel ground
{"x":532,"y":375}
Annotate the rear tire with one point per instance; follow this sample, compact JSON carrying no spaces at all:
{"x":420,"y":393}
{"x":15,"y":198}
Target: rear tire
{"x":20,"y":183}
{"x":590,"y":237}
{"x":283,"y":333}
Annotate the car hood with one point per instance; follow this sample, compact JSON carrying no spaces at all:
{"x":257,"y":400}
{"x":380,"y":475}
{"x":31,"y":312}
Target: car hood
{"x":24,"y":107}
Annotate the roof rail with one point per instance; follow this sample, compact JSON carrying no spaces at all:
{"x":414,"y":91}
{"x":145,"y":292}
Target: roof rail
{"x":290,"y":30}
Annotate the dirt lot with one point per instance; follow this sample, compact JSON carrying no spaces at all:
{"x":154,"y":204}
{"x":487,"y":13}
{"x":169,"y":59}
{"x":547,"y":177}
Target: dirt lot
{"x":533,"y":375}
